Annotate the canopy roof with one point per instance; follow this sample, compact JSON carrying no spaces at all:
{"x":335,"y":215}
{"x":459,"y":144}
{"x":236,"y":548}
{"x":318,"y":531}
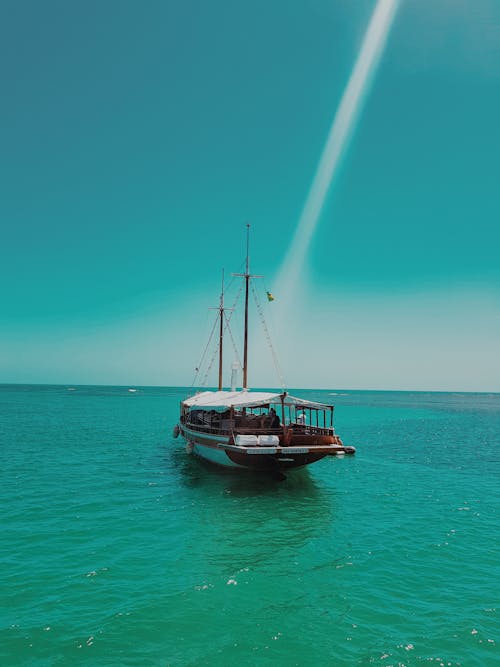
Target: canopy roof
{"x":219,"y":400}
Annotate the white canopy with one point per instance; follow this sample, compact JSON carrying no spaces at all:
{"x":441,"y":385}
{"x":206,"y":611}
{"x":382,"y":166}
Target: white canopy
{"x":223,"y":400}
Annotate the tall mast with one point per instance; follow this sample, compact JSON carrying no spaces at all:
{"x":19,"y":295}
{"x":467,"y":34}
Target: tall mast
{"x":247,"y":277}
{"x":221,"y":330}
{"x":245,"y":347}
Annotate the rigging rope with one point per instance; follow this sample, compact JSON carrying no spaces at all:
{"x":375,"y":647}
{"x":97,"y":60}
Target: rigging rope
{"x":227,"y":320}
{"x":268,"y":337}
{"x":236,"y":299}
{"x":203,"y":355}
{"x":236,"y":275}
{"x":227,"y":327}
{"x":216,"y":350}
{"x":209,"y":367}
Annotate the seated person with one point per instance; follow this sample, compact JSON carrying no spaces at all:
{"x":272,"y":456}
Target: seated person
{"x":275,"y":420}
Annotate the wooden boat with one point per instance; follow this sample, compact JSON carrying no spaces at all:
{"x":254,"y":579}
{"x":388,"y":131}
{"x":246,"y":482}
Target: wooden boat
{"x":260,"y":431}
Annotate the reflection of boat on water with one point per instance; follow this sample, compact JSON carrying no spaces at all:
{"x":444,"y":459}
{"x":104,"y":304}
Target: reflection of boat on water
{"x":261,"y":431}
{"x":224,"y":507}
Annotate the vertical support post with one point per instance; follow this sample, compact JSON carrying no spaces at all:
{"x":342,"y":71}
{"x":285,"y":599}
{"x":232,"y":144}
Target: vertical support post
{"x":283,"y":421}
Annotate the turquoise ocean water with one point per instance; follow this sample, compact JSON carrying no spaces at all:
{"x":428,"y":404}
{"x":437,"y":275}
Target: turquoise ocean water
{"x":120,"y":549}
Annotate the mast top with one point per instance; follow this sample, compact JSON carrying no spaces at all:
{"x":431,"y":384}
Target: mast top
{"x":247,"y":273}
{"x":248,"y":244}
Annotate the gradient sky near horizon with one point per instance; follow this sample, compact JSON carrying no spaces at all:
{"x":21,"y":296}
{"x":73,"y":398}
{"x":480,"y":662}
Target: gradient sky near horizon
{"x":137,"y":139}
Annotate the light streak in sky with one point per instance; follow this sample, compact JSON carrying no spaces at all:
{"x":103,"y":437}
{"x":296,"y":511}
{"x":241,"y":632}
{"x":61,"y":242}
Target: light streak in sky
{"x":340,"y":131}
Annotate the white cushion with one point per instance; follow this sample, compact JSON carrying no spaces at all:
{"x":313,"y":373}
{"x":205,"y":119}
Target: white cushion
{"x":269,"y":440}
{"x":246,"y":440}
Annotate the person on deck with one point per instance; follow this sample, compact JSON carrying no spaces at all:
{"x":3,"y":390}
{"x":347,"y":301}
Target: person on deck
{"x":275,"y":420}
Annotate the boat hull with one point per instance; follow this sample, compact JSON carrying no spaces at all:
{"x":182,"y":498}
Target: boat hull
{"x":298,"y":453}
{"x":216,"y":455}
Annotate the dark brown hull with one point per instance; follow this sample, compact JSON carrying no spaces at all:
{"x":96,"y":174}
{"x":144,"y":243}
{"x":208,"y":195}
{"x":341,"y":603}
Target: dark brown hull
{"x":293,"y":451}
{"x":274,"y":462}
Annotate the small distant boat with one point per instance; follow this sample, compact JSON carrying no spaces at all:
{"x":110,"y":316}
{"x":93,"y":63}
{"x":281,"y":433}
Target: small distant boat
{"x":260,"y":431}
{"x":132,"y":390}
{"x":71,"y":389}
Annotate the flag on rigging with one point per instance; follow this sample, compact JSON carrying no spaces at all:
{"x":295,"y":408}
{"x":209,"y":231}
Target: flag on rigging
{"x":270,"y":297}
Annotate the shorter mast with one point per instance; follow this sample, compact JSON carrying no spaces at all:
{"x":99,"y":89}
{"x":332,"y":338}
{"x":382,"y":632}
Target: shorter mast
{"x":221,"y":310}
{"x":221,"y":330}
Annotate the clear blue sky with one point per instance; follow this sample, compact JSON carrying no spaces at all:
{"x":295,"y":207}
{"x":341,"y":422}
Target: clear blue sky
{"x":136,"y":139}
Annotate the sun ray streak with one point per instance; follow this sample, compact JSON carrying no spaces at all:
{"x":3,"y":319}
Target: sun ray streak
{"x":341,"y":129}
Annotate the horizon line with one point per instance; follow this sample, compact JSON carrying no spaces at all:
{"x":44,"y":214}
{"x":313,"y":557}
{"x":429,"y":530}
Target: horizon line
{"x":161,"y":386}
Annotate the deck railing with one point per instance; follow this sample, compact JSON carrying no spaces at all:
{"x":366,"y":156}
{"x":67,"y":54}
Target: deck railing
{"x":228,"y":427}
